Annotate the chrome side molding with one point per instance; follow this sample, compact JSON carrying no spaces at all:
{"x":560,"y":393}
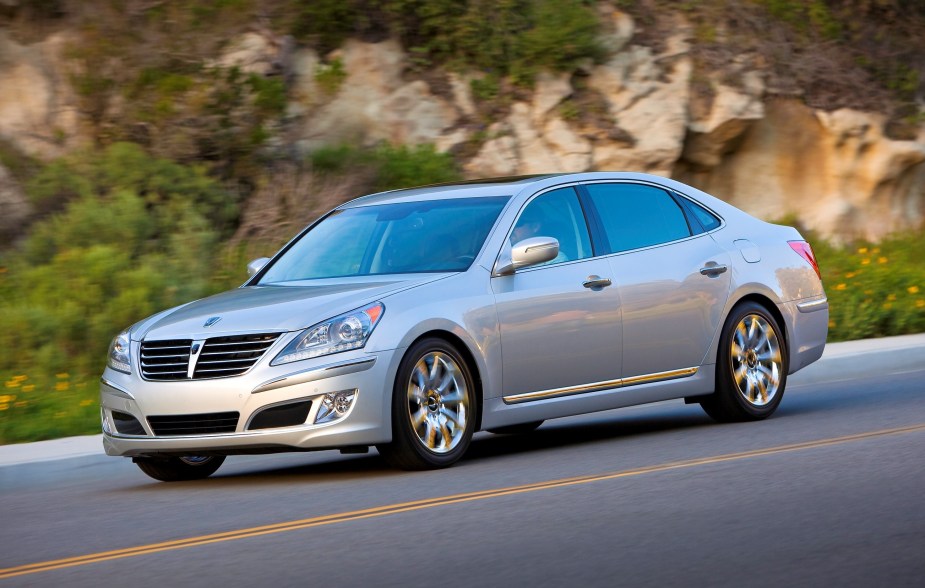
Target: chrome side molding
{"x":599,"y":386}
{"x":813,"y":305}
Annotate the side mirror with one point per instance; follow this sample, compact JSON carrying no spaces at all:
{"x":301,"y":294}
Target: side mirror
{"x":256,"y":265}
{"x":532,"y":251}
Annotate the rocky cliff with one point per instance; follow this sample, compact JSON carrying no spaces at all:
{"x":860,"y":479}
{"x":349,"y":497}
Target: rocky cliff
{"x":836,"y":171}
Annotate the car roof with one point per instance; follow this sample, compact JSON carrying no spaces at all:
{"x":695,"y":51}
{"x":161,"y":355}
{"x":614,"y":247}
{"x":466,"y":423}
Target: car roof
{"x":514,"y":185}
{"x":487,"y":187}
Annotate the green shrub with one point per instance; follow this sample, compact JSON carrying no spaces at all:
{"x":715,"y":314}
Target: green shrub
{"x":389,"y":166}
{"x":138,"y":236}
{"x":874,"y":290}
{"x":330,"y":76}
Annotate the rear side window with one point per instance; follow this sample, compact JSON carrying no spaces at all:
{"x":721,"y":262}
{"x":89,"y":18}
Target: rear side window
{"x":706,"y":218}
{"x":635,"y":215}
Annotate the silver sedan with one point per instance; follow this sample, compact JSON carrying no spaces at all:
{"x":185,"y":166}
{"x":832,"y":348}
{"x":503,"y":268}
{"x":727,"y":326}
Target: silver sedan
{"x":408,"y":320}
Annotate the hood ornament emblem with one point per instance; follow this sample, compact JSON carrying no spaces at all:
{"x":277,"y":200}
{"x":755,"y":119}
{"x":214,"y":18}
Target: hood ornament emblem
{"x":211,"y":321}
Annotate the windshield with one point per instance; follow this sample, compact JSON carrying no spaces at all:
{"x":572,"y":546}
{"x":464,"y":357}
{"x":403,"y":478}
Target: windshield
{"x":407,"y":237}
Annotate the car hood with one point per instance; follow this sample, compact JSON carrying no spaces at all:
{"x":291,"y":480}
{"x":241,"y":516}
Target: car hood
{"x":274,"y":308}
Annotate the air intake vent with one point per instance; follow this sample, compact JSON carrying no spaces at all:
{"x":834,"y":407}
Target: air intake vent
{"x":231,"y":356}
{"x":220,"y":357}
{"x":284,"y":415}
{"x":194,"y":424}
{"x":126,"y":424}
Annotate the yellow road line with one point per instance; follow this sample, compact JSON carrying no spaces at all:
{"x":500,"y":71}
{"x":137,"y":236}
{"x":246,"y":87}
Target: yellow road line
{"x":430,"y":503}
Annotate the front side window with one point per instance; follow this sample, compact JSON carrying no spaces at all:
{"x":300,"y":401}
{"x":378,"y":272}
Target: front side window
{"x":636,"y":215}
{"x":556,"y":214}
{"x":406,"y":237}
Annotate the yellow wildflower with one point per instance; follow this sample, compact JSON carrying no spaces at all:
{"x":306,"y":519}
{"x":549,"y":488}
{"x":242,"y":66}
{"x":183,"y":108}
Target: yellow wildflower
{"x":875,"y":250}
{"x":912,"y":289}
{"x":865,"y":261}
{"x":21,"y":378}
{"x":86,"y":402}
{"x":62,"y":376}
{"x":22,"y":404}
{"x":28,"y":388}
{"x":920,"y":303}
{"x":888,"y":306}
{"x":841,"y":286}
{"x":4,"y":406}
{"x":862,"y":250}
{"x":62,"y":386}
{"x":891,"y":297}
{"x":11,"y":384}
{"x":882,"y":259}
{"x":7,"y":398}
{"x":850,"y":275}
{"x":831,"y":324}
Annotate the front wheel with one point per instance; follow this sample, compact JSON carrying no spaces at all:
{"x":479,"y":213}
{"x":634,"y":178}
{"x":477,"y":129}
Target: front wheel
{"x":180,"y":469}
{"x":751,"y":367}
{"x":433,"y":406}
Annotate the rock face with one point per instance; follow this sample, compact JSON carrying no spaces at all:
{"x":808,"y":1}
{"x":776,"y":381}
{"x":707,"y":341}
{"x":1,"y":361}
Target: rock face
{"x":38,"y":113}
{"x":641,"y":110}
{"x":373,"y":103}
{"x":14,"y":208}
{"x":836,"y":171}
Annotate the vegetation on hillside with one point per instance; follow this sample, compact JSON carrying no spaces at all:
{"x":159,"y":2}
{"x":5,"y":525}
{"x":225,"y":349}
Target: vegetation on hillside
{"x":191,"y":158}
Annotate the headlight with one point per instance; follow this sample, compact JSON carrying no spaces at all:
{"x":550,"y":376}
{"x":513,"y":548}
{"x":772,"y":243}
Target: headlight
{"x":341,"y":333}
{"x":120,"y":357}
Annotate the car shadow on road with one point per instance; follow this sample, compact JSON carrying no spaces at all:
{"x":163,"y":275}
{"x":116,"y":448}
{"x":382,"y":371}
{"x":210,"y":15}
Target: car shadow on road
{"x":331,"y":467}
{"x":554,"y":435}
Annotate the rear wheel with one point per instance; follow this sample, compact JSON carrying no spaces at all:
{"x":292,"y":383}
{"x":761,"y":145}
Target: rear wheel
{"x":433,"y":406}
{"x":179,"y":469}
{"x":751,"y":367}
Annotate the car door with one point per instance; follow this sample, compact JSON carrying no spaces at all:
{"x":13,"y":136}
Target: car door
{"x":559,"y":321}
{"x":672,"y":281}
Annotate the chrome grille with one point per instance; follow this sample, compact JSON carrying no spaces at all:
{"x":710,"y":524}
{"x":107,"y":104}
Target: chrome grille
{"x":165,"y":360}
{"x":222,"y":357}
{"x":219,"y":357}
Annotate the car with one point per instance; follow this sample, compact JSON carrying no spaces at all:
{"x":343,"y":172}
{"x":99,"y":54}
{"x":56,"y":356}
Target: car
{"x":408,"y":320}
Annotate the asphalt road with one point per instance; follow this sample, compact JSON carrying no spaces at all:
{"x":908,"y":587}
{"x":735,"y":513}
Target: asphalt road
{"x":827,"y":492}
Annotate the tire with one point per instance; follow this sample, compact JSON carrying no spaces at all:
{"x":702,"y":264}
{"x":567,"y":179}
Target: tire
{"x":433,"y":408}
{"x":751,"y":367}
{"x":518,"y":429}
{"x":180,"y":469}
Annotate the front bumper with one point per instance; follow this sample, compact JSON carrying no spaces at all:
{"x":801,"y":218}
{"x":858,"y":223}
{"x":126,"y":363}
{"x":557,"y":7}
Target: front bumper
{"x":367,"y":422}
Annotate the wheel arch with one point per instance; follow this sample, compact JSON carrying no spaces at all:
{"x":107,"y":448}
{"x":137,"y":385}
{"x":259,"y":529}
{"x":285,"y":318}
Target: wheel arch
{"x":771,"y":307}
{"x":468,"y":357}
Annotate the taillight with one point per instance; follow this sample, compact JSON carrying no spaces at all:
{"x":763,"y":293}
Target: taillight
{"x":806,"y":252}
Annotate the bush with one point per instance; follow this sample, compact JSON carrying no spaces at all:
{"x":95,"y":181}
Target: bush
{"x":139,"y":236}
{"x":874,"y":290}
{"x":502,"y":37}
{"x":389,"y":166}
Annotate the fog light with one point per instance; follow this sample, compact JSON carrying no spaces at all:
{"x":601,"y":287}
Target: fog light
{"x":335,"y":406}
{"x":106,"y":428}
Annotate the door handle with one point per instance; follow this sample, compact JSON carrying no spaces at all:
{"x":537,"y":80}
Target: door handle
{"x":713,"y":270}
{"x":596,"y":282}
